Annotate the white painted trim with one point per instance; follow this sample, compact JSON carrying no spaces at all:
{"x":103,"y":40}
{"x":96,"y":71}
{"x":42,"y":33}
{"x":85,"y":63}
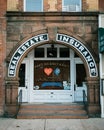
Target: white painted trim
{"x":58,"y":52}
{"x":101,"y":16}
{"x":42,"y":6}
{"x":102,"y":106}
{"x":31,"y":74}
{"x":24,"y":5}
{"x":72,"y":72}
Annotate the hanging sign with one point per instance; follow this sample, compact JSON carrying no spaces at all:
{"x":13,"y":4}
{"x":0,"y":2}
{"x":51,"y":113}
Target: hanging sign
{"x":22,"y":49}
{"x":101,"y":40}
{"x":82,"y":49}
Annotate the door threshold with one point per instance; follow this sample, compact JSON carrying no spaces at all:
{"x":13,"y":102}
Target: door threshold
{"x":33,"y":103}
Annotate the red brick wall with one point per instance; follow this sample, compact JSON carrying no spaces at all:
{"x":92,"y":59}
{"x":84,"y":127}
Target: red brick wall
{"x":2,"y":7}
{"x":2,"y":51}
{"x":101,"y":5}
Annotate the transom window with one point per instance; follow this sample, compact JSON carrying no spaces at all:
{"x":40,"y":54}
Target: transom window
{"x":71,"y":5}
{"x":52,"y":51}
{"x":33,"y":5}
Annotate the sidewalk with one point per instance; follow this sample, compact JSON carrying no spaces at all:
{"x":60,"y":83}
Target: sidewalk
{"x":52,"y":124}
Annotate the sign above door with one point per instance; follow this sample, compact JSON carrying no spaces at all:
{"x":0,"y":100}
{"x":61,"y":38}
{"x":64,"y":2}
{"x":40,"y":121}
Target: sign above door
{"x":42,"y":38}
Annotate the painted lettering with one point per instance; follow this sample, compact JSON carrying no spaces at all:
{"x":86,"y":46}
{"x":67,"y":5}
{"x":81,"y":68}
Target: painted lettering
{"x":66,"y":39}
{"x":76,"y":44}
{"x":93,"y":71}
{"x":21,"y":50}
{"x":32,"y":41}
{"x":27,"y":44}
{"x":91,"y":64}
{"x":71,"y":41}
{"x":45,"y":37}
{"x":11,"y":72}
{"x":12,"y":67}
{"x":24,"y":47}
{"x":85,"y":53}
{"x":89,"y":58}
{"x":14,"y":62}
{"x":16,"y":58}
{"x":41,"y":38}
{"x":82,"y":50}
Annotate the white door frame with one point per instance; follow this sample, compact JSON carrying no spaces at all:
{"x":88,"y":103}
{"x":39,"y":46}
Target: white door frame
{"x":31,"y":95}
{"x":30,"y":75}
{"x":72,"y":72}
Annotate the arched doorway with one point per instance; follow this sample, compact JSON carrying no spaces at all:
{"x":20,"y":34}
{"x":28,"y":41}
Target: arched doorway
{"x":79,"y":57}
{"x":52,"y":73}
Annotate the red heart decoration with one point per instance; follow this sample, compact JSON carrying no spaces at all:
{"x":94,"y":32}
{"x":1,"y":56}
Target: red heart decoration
{"x":48,"y":71}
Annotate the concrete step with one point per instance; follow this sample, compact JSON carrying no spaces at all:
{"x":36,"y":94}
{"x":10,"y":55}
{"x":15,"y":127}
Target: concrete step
{"x":52,"y":111}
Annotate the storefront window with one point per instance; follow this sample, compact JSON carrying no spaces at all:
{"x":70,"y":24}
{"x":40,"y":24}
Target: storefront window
{"x":71,"y":5}
{"x":51,"y":75}
{"x":33,"y":5}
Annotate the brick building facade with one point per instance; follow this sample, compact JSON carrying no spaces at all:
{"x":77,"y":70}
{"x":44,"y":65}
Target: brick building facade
{"x":3,"y":8}
{"x":23,"y":31}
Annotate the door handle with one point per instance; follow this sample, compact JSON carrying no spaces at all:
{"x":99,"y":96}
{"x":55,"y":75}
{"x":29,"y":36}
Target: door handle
{"x":26,"y":87}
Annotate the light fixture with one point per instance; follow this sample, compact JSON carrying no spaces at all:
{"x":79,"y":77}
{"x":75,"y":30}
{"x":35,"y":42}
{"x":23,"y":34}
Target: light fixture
{"x":51,"y":53}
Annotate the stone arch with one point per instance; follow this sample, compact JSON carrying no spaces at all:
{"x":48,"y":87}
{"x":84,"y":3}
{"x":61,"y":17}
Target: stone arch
{"x":59,"y":36}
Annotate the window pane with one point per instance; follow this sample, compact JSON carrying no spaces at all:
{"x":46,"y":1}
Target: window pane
{"x":71,"y":2}
{"x":64,"y":52}
{"x":51,"y":74}
{"x":80,"y":74}
{"x":22,"y":75}
{"x":33,"y":5}
{"x":52,"y":52}
{"x":39,"y":52}
{"x":72,"y":5}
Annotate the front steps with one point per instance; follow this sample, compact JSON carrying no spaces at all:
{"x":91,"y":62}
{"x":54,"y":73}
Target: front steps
{"x":52,"y":111}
